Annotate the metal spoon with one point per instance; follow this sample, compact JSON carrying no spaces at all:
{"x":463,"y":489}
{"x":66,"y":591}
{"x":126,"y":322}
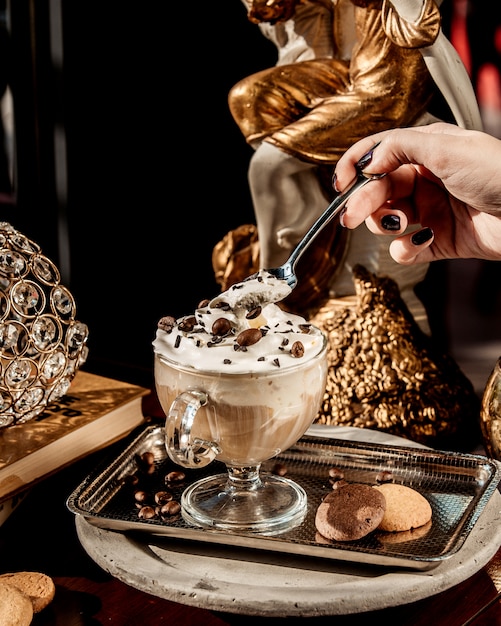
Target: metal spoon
{"x":287,"y":270}
{"x":264,"y":289}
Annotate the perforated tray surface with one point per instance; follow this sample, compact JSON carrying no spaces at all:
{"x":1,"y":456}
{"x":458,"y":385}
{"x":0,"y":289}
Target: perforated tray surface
{"x":457,"y":485}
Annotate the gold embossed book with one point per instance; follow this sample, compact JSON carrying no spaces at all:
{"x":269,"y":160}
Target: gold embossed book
{"x":96,"y":412}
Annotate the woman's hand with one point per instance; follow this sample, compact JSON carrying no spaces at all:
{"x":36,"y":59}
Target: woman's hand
{"x":441,"y":177}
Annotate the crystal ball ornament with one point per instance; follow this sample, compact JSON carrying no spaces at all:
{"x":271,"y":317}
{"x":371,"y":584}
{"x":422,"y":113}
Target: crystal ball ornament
{"x":42,"y":344}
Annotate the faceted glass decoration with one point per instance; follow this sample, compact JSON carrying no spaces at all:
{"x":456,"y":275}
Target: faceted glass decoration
{"x":42,"y":344}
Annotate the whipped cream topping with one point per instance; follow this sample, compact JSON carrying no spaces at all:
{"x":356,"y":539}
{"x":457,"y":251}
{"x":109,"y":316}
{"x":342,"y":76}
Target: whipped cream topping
{"x":241,"y":330}
{"x":257,"y":290}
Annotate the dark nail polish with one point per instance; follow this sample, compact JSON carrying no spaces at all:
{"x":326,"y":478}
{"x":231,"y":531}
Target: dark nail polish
{"x":390,"y":222}
{"x":422,"y":236}
{"x":365,"y":160}
{"x":334,"y":181}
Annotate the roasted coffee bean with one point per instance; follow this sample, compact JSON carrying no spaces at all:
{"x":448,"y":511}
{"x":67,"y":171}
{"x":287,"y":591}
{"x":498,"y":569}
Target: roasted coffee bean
{"x":249,"y":337}
{"x":175,"y":477}
{"x":337,"y":484}
{"x":253,"y":313}
{"x":170,"y":508}
{"x":188,"y":323}
{"x":132,"y":479}
{"x":279,"y":469}
{"x":161,"y":497}
{"x":167,"y":323}
{"x":335,"y":473}
{"x":297,"y":350}
{"x":384,"y":477}
{"x":146,"y":512}
{"x":148,"y":458}
{"x":221,"y":327}
{"x":140,"y":496}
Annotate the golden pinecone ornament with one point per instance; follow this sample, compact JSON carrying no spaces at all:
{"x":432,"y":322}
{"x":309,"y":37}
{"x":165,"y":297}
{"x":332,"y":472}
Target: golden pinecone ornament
{"x":385,"y":373}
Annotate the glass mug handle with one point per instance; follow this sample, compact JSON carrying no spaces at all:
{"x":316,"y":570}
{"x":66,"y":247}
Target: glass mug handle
{"x":181,"y":447}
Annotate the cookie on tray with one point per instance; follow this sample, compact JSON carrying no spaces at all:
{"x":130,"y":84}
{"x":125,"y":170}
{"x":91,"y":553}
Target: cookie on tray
{"x":406,"y":508}
{"x":350,"y":512}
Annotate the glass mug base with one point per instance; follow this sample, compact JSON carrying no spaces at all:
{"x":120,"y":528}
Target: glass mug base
{"x":275,"y":505}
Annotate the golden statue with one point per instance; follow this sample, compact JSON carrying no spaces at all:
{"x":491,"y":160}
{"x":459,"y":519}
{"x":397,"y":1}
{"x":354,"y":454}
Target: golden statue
{"x":345,"y":69}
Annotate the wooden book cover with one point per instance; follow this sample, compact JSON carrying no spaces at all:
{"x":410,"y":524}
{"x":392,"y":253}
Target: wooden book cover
{"x":96,"y":412}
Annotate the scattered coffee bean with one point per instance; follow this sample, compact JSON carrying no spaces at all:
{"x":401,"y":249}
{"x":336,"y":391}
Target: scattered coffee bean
{"x":148,"y":458}
{"x":279,"y":469}
{"x":161,"y":497}
{"x":146,"y":512}
{"x":337,"y":484}
{"x":335,"y":474}
{"x":170,"y":508}
{"x":132,"y":479}
{"x":384,"y":477}
{"x":175,"y":477}
{"x":140,"y":496}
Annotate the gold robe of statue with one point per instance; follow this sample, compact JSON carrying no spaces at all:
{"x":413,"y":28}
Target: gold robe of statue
{"x":316,"y":109}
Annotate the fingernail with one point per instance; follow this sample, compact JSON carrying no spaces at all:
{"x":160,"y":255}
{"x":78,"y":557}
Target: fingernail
{"x":334,"y":182}
{"x":422,"y":236}
{"x":390,"y":222}
{"x":364,"y":161}
{"x":341,"y":217}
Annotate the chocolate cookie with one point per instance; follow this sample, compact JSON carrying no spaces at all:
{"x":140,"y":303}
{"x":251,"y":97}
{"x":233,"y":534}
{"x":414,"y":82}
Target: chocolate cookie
{"x":350,"y":512}
{"x":406,"y":508}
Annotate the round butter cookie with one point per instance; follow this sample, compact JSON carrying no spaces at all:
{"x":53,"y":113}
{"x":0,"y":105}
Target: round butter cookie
{"x":39,"y":588}
{"x":406,"y":508}
{"x":350,"y":512}
{"x":15,"y":606}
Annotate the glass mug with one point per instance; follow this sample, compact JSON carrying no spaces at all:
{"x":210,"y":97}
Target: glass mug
{"x":242,"y":419}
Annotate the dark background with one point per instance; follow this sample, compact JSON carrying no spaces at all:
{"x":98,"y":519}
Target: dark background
{"x":156,"y":167}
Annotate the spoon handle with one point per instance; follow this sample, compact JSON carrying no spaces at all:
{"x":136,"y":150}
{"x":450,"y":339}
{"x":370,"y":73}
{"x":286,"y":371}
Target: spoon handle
{"x":330,"y":212}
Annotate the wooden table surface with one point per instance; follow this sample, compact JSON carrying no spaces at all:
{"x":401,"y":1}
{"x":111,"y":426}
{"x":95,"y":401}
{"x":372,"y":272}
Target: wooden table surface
{"x":40,"y":535}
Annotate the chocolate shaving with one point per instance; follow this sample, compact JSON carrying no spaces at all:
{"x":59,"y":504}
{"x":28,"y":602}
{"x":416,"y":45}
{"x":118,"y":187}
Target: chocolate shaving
{"x":276,"y":362}
{"x":177,"y":342}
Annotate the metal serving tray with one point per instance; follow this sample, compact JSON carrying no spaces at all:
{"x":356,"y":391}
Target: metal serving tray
{"x":457,"y":485}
